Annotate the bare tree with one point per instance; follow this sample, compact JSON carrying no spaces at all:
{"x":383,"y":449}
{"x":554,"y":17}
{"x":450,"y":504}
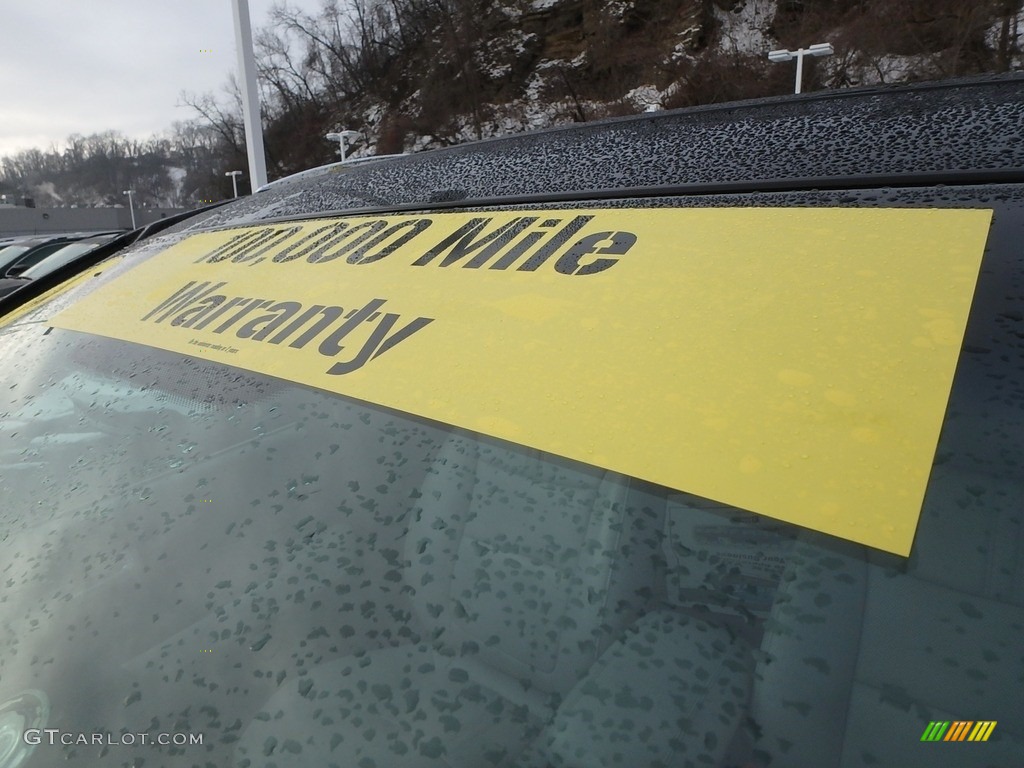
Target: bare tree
{"x":226,"y":123}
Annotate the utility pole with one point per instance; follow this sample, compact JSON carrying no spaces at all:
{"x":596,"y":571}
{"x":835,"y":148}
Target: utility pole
{"x":250,"y":96}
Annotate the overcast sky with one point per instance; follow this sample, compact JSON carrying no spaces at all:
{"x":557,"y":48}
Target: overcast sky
{"x":84,"y":66}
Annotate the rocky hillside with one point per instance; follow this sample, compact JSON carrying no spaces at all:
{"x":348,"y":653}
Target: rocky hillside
{"x":487,"y":67}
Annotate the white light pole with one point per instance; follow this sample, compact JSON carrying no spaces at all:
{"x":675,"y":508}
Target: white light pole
{"x":341,"y":137}
{"x":234,"y":180}
{"x":250,"y":96}
{"x":131,"y":205}
{"x":818,"y":49}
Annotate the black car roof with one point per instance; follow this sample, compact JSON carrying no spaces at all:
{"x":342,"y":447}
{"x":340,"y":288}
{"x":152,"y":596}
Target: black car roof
{"x":955,"y":132}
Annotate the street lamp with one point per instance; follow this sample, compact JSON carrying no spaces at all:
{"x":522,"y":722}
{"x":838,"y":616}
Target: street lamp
{"x":818,"y":49}
{"x":131,"y":205}
{"x":234,"y":180}
{"x":341,"y":137}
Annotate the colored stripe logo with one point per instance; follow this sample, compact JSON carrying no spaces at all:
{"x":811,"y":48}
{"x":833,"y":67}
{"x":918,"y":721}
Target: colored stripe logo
{"x":959,"y":730}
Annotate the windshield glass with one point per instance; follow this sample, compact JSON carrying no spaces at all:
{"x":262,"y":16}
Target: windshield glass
{"x":11,"y":253}
{"x":207,"y":566}
{"x":58,"y":259}
{"x":31,"y":256}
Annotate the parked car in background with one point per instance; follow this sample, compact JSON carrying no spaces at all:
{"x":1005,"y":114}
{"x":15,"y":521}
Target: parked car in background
{"x":686,"y":439}
{"x":37,"y":263}
{"x":25,"y":252}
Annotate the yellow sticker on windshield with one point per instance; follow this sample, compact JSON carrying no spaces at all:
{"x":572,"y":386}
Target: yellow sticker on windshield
{"x":792,"y":362}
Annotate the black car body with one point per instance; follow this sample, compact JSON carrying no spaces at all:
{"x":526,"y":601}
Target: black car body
{"x":688,"y":439}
